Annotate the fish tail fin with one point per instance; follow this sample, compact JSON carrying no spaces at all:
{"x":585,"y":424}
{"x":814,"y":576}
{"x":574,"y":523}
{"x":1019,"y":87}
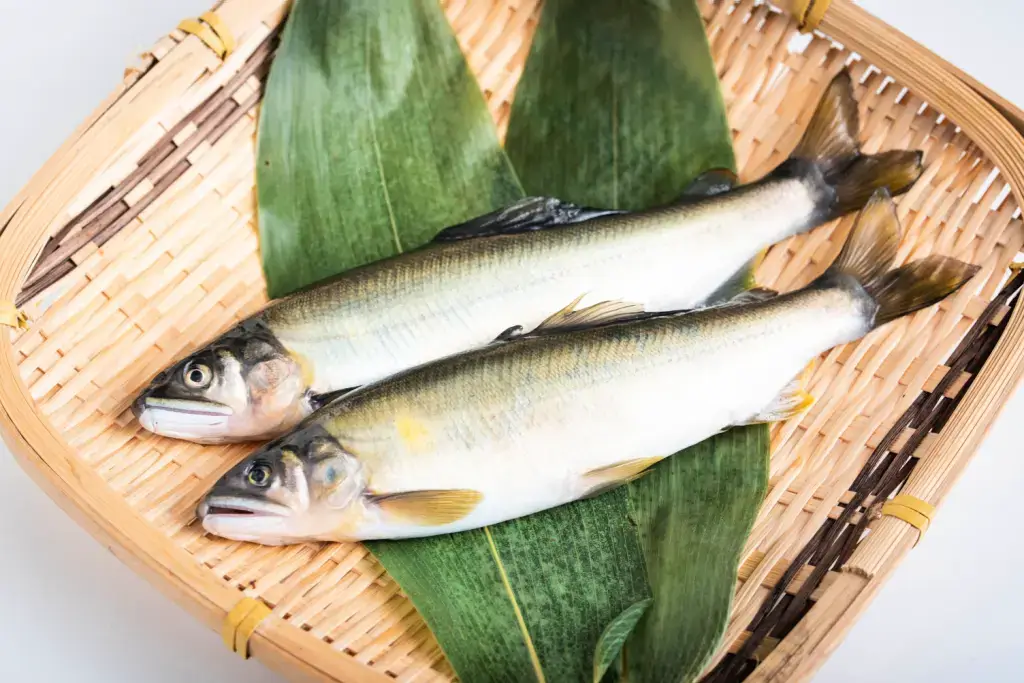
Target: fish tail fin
{"x":867,"y":258}
{"x":830,"y":145}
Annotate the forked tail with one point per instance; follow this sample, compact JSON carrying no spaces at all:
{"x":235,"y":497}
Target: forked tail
{"x":830,"y":144}
{"x":867,"y":259}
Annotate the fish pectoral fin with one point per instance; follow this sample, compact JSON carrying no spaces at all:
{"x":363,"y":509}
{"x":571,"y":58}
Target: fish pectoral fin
{"x":792,"y":400}
{"x":428,"y":507}
{"x":605,"y":478}
{"x":526,"y":215}
{"x":603,"y":312}
{"x":708,"y":184}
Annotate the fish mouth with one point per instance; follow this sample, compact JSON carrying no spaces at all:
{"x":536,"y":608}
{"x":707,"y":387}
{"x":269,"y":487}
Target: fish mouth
{"x":236,"y":506}
{"x":183,"y":418}
{"x":184,"y":406}
{"x":245,"y":519}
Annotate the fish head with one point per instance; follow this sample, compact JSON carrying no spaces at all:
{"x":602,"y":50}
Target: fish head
{"x":243,"y":386}
{"x":302,"y":487}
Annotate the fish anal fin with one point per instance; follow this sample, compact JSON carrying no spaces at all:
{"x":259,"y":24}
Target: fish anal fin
{"x":431,"y":507}
{"x":741,"y":281}
{"x":751,"y":296}
{"x":526,"y":215}
{"x":791,"y":401}
{"x":605,"y":478}
{"x":603,"y":312}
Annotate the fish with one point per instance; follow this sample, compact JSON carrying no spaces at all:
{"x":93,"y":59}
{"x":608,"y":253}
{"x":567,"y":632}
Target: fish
{"x":536,"y":262}
{"x":547,"y":418}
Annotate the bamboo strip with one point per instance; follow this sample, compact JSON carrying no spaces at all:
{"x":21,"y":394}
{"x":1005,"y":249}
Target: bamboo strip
{"x":162,"y":255}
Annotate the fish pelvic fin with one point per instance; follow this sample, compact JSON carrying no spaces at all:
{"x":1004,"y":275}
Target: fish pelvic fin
{"x":867,"y":258}
{"x":830,"y":144}
{"x":605,"y":478}
{"x":791,"y":401}
{"x":427,"y":507}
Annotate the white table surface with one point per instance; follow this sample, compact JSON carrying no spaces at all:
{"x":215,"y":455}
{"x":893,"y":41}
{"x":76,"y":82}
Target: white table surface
{"x":72,"y":612}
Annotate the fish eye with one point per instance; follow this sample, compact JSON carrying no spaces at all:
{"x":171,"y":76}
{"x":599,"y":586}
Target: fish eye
{"x":259,"y":474}
{"x":197,"y":375}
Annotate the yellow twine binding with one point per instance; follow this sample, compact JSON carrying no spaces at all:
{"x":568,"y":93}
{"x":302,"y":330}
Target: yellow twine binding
{"x":12,"y":317}
{"x":809,"y":13}
{"x":240,"y":623}
{"x":914,"y":511}
{"x":210,"y":29}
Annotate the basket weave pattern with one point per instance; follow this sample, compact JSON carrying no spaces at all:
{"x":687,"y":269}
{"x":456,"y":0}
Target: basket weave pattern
{"x":157,"y":252}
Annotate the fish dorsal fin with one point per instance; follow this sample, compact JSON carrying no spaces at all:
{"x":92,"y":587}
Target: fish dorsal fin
{"x":540,"y":213}
{"x":792,"y":400}
{"x":427,"y":507}
{"x":708,"y":184}
{"x":605,"y":478}
{"x":319,"y":400}
{"x":526,"y":215}
{"x":510,"y":333}
{"x":604,"y":312}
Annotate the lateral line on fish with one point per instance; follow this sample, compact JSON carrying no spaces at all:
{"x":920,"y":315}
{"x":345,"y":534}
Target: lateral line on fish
{"x":376,"y":144}
{"x":515,"y":606}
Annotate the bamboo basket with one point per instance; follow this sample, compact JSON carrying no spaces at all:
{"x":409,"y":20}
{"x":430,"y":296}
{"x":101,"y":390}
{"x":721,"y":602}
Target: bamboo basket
{"x":136,"y":242}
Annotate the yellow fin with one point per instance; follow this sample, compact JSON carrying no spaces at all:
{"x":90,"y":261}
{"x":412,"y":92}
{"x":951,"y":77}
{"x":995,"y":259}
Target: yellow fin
{"x":602,"y":479}
{"x":429,"y":507}
{"x":754,"y":264}
{"x":792,"y":400}
{"x":602,"y":312}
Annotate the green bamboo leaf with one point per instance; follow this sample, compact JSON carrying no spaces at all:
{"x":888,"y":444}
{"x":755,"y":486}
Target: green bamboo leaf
{"x":695,"y":512}
{"x":373,"y":136}
{"x":619,"y":106}
{"x":528,"y":594}
{"x":609,"y":645}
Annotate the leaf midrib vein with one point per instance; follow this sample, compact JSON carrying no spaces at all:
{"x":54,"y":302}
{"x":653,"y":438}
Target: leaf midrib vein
{"x":376,"y":144}
{"x":515,"y":606}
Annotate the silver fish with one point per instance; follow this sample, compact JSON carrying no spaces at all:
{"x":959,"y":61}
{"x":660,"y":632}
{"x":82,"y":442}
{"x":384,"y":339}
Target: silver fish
{"x":516,"y":266}
{"x":545,"y":419}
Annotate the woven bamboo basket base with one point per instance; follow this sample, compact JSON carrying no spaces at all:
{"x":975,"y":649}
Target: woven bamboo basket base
{"x":158,"y":252}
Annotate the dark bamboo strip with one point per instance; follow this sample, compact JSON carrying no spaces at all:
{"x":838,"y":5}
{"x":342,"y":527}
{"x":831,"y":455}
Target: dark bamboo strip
{"x":260,"y":59}
{"x":162,"y":165}
{"x":881,"y":477}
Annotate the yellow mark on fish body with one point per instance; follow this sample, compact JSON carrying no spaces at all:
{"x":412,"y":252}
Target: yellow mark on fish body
{"x":414,"y":433}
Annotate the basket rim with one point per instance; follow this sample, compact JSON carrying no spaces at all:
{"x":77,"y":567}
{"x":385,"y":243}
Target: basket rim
{"x":53,"y":465}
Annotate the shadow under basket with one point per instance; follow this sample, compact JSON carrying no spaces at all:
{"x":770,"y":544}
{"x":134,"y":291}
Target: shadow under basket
{"x":137,"y":242}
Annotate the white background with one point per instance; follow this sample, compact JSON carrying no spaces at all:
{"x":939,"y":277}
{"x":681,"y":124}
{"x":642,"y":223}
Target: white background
{"x":72,"y":612}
